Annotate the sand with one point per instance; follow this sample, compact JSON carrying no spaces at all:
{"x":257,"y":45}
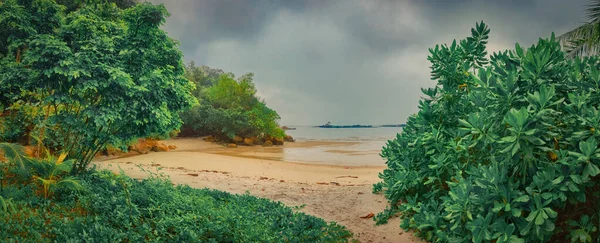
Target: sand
{"x":334,"y":193}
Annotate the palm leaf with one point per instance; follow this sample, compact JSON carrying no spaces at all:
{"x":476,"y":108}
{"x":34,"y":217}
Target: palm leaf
{"x":593,"y":11}
{"x":6,"y":204}
{"x":64,"y":167}
{"x":585,"y":39}
{"x":3,"y":204}
{"x":69,"y":182}
{"x":15,"y":154}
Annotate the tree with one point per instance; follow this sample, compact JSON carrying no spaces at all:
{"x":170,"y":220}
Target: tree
{"x":98,"y":75}
{"x":73,"y":5}
{"x":228,"y":106}
{"x":585,"y":39}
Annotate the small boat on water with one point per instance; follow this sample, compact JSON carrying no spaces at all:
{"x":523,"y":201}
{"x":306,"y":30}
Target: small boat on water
{"x":328,"y":125}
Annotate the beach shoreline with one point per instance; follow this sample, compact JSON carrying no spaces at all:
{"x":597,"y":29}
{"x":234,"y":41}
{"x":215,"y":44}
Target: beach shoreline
{"x":332,"y":192}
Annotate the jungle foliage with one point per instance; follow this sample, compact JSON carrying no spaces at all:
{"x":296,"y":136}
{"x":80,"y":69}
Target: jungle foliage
{"x":503,"y":149}
{"x":74,"y":81}
{"x":101,"y":206}
{"x":228,"y":107}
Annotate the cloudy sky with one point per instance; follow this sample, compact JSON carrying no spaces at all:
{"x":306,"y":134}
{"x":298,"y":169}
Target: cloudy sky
{"x":349,"y":61}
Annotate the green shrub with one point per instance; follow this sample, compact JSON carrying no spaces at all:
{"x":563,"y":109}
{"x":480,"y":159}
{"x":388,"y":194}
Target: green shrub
{"x":115,"y":208}
{"x":44,"y":204}
{"x":505,"y":151}
{"x":228,"y":107}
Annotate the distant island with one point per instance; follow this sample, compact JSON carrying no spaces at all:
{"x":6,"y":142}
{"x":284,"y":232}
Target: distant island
{"x":394,"y":125}
{"x":328,"y":125}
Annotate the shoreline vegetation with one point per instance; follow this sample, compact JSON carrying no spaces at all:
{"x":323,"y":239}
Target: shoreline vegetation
{"x":229,"y":110}
{"x":83,"y":78}
{"x":504,"y":148}
{"x":337,"y":193}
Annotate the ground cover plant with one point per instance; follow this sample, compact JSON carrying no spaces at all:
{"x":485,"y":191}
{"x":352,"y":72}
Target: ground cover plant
{"x":101,"y":206}
{"x":503,"y":149}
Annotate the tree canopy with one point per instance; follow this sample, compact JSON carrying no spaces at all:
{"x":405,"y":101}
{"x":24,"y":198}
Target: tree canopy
{"x":228,"y":107}
{"x":76,"y":81}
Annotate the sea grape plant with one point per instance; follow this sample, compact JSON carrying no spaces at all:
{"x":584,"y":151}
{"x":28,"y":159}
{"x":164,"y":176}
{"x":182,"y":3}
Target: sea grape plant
{"x":503,"y":149}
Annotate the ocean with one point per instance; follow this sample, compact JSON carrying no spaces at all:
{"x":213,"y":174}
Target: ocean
{"x":303,"y":133}
{"x":340,"y":146}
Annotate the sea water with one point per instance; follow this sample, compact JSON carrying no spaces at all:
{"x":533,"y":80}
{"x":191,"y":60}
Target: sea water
{"x":348,"y":147}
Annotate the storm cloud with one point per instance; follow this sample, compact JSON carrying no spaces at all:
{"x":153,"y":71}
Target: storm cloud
{"x":349,"y":61}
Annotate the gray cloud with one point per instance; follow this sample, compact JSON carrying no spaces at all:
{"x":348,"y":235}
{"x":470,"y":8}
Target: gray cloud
{"x":349,"y":61}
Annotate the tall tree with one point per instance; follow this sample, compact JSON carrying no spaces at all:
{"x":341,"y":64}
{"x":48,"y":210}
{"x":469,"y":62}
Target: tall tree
{"x":99,"y":75}
{"x":585,"y":39}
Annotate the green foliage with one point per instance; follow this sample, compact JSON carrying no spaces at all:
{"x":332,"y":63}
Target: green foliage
{"x":73,"y":5}
{"x":115,"y":208}
{"x":108,"y":207}
{"x":505,"y":151}
{"x":228,"y":107}
{"x":95,"y":76}
{"x":15,"y":154}
{"x":50,"y":172}
{"x":582,"y":230}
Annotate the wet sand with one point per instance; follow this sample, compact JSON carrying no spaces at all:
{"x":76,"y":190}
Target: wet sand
{"x":340,"y":193}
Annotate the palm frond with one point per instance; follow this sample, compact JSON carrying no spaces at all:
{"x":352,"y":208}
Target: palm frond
{"x":585,"y":39}
{"x":581,"y":32}
{"x":15,"y":154}
{"x":50,"y":167}
{"x":41,"y":168}
{"x":581,"y":48}
{"x":593,"y":11}
{"x":69,"y":182}
{"x":3,"y":204}
{"x":64,"y":167}
{"x":6,"y":204}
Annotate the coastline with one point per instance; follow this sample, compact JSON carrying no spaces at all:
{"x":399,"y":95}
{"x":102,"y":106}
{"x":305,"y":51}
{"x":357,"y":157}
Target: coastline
{"x":332,"y":192}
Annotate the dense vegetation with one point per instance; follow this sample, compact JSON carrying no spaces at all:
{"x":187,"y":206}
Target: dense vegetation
{"x":40,"y":203}
{"x":78,"y":76}
{"x":75,"y":82}
{"x":228,"y":107}
{"x":502,"y":150}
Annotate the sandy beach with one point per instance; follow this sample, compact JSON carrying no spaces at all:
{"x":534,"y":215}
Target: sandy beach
{"x":340,"y":193}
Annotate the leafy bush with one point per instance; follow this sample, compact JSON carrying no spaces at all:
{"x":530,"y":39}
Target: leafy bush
{"x":94,"y":76}
{"x":505,"y":151}
{"x":228,"y":107}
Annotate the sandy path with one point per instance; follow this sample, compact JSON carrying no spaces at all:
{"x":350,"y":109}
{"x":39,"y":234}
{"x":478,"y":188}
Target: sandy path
{"x":334,"y":193}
